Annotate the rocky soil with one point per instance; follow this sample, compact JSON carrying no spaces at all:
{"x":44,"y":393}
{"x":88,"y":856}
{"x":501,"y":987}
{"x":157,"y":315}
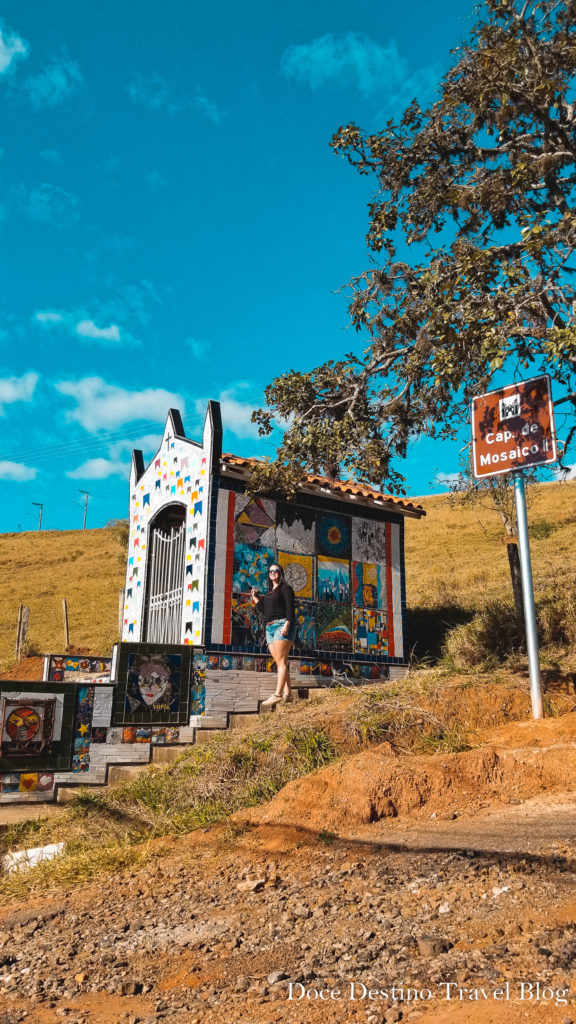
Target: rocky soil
{"x":458,"y":906}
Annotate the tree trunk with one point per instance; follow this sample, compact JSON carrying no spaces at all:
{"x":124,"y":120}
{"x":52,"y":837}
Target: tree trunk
{"x":516,"y":577}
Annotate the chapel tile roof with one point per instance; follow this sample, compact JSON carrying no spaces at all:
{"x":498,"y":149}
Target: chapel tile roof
{"x":350,"y":489}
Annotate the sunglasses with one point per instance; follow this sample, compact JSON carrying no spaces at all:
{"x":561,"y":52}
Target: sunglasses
{"x":274,"y":572}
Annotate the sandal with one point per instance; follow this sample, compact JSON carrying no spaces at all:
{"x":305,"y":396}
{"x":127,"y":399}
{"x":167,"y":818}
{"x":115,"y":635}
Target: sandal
{"x":288,"y":698}
{"x":271,"y":701}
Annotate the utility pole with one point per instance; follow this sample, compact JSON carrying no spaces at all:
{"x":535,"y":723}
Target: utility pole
{"x":39,"y":505}
{"x":85,"y":507}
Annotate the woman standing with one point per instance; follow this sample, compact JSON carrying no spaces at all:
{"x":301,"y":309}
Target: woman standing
{"x":277,"y":607}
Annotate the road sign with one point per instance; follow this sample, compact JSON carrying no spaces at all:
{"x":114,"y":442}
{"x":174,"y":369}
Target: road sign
{"x":513,"y":428}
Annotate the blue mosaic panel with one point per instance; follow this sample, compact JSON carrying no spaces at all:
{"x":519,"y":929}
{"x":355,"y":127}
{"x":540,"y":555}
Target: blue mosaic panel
{"x":333,"y":536}
{"x":305,"y":625}
{"x":251,"y":568}
{"x":333,"y":580}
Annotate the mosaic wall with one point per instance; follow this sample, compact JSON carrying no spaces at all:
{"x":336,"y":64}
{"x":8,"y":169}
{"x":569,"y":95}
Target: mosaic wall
{"x":178,"y":474}
{"x":42,"y":726}
{"x":345,"y":571}
{"x":51,"y":733}
{"x":157,"y":684}
{"x":60,"y":667}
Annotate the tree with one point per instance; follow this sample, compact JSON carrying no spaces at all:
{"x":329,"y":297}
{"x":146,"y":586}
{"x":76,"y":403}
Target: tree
{"x":480,"y":188}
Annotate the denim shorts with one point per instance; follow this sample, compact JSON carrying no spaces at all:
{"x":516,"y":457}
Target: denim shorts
{"x":274,"y":631}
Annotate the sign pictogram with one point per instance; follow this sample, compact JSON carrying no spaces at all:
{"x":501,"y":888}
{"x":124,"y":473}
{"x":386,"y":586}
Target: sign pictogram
{"x":513,"y":428}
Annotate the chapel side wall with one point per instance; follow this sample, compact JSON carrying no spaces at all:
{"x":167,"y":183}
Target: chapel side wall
{"x":341,"y":627}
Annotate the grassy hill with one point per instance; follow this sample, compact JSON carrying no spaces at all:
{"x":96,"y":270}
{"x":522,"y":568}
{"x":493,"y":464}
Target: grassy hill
{"x":456,"y":562}
{"x":458,"y":555}
{"x":39,"y":569}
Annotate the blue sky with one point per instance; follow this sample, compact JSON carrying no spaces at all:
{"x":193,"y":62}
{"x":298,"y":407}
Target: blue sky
{"x":176,"y":227}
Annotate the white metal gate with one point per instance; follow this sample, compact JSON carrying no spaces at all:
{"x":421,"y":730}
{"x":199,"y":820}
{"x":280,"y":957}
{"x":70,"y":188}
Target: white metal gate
{"x":166,"y":586}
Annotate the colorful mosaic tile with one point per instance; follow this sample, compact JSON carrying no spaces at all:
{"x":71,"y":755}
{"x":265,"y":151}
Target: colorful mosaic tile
{"x":295,"y":529}
{"x":334,"y":627}
{"x":83,"y":728}
{"x":298,"y":572}
{"x":254,"y":521}
{"x":45,"y":782}
{"x":165,"y":736}
{"x":333,"y":536}
{"x":369,"y":541}
{"x":11,"y":783}
{"x":28,"y":782}
{"x":333,"y":580}
{"x":198,"y":683}
{"x":305,"y":625}
{"x":251,"y":568}
{"x":247,"y":624}
{"x":368,"y":585}
{"x":370,"y":630}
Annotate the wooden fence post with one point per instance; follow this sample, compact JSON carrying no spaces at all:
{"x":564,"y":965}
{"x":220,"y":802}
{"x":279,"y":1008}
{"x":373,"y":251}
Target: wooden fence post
{"x":120,"y":612}
{"x":18,"y":632}
{"x":66,"y":631}
{"x":23,"y":616}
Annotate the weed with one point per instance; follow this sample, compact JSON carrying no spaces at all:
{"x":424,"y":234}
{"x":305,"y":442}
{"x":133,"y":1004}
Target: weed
{"x":448,"y":741}
{"x":541,"y":530}
{"x":313,"y":747}
{"x":327,"y":837}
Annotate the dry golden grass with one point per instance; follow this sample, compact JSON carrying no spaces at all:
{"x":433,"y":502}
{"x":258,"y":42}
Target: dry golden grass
{"x":457,"y":556}
{"x":39,"y":569}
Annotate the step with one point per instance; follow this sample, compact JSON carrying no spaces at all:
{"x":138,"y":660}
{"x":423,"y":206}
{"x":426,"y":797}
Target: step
{"x":65,"y":794}
{"x":165,"y":755}
{"x":125,"y":772}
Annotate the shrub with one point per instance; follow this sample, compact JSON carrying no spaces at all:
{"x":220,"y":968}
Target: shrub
{"x":490,"y":637}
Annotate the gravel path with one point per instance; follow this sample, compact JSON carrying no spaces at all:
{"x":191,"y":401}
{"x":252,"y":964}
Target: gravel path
{"x":224,"y":929}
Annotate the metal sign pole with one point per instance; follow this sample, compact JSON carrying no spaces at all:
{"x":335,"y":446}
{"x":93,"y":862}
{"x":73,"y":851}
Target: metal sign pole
{"x":528,"y":595}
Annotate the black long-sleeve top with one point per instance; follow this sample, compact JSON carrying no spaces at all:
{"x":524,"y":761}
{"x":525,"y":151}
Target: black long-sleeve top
{"x":277,"y":604}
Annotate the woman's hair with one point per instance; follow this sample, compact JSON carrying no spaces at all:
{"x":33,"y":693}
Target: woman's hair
{"x":281,"y":573}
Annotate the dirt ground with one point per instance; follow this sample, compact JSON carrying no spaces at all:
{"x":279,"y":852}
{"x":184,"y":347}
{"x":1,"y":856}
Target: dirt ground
{"x":383,"y":888}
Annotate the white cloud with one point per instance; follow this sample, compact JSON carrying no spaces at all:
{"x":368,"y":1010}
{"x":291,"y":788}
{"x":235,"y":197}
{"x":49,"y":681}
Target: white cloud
{"x":85,"y":328}
{"x":48,"y":316}
{"x":99,"y":469}
{"x":198,"y":347}
{"x":47,"y":203}
{"x":88,"y":329}
{"x":12,"y":49}
{"x":148,"y":443}
{"x":17,"y":389}
{"x":58,"y":80}
{"x":208,"y":108}
{"x":236,"y":414}
{"x":446,"y":479}
{"x":52,"y":156}
{"x":350,"y":60}
{"x":103,"y":406}
{"x":569,"y":473}
{"x":154,"y":93}
{"x":17,"y":472}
